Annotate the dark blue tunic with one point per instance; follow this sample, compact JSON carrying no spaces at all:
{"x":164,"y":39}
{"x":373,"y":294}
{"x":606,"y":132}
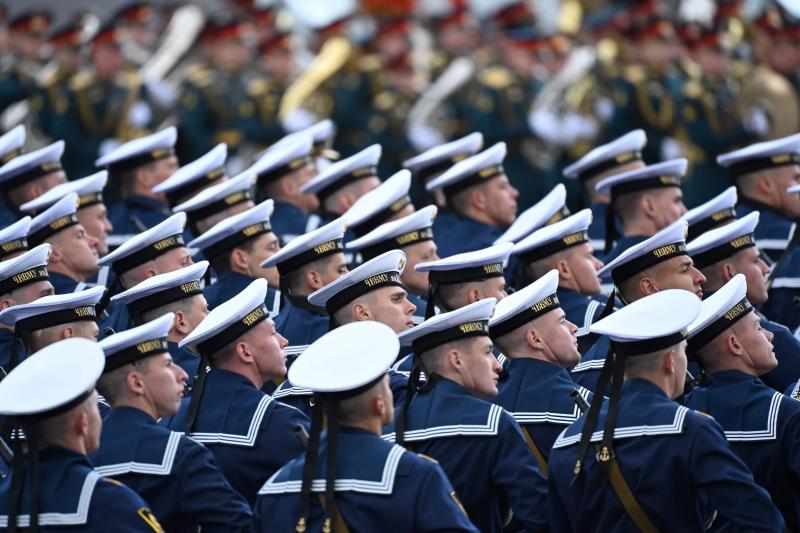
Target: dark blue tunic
{"x":288,"y":221}
{"x":230,"y":283}
{"x":129,"y":215}
{"x":455,"y":234}
{"x":63,"y":284}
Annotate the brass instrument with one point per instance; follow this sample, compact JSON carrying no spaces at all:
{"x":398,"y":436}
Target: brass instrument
{"x":766,"y":89}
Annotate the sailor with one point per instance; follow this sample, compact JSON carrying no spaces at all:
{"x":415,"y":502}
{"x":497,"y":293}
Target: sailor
{"x":165,"y":467}
{"x":11,"y":144}
{"x":218,"y":202}
{"x":481,"y":202}
{"x":724,"y":252}
{"x":565,"y":246}
{"x":53,"y":485}
{"x":342,"y":183}
{"x":91,"y":213}
{"x":14,"y":239}
{"x":621,"y":155}
{"x":431,"y":163}
{"x":73,"y":255}
{"x":478,"y":444}
{"x":178,"y":292}
{"x":23,"y":279}
{"x":236,"y":247}
{"x":250,"y":434}
{"x":760,"y":423}
{"x":190,"y":179}
{"x":714,"y":213}
{"x":540,"y":341}
{"x":658,"y":263}
{"x":386,"y":202}
{"x":372,"y":291}
{"x":374,"y":485}
{"x":136,"y":167}
{"x":413,"y":234}
{"x":158,"y":250}
{"x":26,"y":177}
{"x":282,"y":170}
{"x":643,"y":443}
{"x":305,"y":265}
{"x":762,"y":173}
{"x":645,"y":201}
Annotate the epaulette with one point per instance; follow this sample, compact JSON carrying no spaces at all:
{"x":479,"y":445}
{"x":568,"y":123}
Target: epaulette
{"x":427,"y":458}
{"x":369,"y":63}
{"x":128,"y":78}
{"x":48,"y":76}
{"x":258,"y":87}
{"x":634,"y":73}
{"x":200,"y":77}
{"x":81,"y":80}
{"x":703,"y":414}
{"x":691,"y":69}
{"x":114,"y":481}
{"x":495,"y":77}
{"x":693,"y":89}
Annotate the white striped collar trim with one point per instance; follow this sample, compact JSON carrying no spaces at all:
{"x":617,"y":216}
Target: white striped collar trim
{"x":588,"y":317}
{"x":772,"y":244}
{"x":384,"y":486}
{"x":295,"y":349}
{"x":396,"y":366}
{"x":247,"y":440}
{"x":77,"y":518}
{"x":786,"y":283}
{"x":593,"y":364}
{"x":161,"y":469}
{"x":551,"y":418}
{"x":276,"y":304}
{"x":285,"y":392}
{"x":597,"y":245}
{"x":795,"y":395}
{"x":768,"y":433}
{"x":674,"y":428}
{"x":502,"y":359}
{"x":488,"y":429}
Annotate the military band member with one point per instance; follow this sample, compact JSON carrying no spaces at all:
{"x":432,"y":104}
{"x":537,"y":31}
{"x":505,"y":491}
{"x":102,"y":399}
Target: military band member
{"x":27,"y":38}
{"x":52,"y":396}
{"x":620,"y":155}
{"x":218,"y":202}
{"x":481,"y":202}
{"x":643,"y":443}
{"x":645,"y":200}
{"x":179,"y":293}
{"x":14,"y":239}
{"x":250,"y":434}
{"x":23,"y":279}
{"x":138,"y":166}
{"x":762,"y":174}
{"x":236,"y":247}
{"x":27,"y":177}
{"x":73,"y":255}
{"x":386,"y":202}
{"x":192,"y":178}
{"x":540,"y":341}
{"x":175,"y":473}
{"x":478,"y":444}
{"x":374,"y":485}
{"x":724,"y":252}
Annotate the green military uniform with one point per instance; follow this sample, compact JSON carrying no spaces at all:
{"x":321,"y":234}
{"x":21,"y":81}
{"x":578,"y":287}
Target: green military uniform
{"x":51,"y":100}
{"x":259,"y":121}
{"x":17,"y":82}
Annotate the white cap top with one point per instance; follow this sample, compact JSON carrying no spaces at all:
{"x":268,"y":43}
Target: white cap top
{"x":618,"y":152}
{"x":476,"y":314}
{"x":548,"y":210}
{"x":88,"y":189}
{"x":243,"y":226}
{"x":51,"y":378}
{"x":190,"y":178}
{"x":667,"y":174}
{"x":245,"y":309}
{"x":493,"y":255}
{"x":724,"y":241}
{"x":337,"y":361}
{"x":793,"y":189}
{"x":379,"y":204}
{"x":569,"y":232}
{"x":75,"y":301}
{"x":399,"y":233}
{"x":445,"y":155}
{"x":12,"y":238}
{"x":137,"y":343}
{"x":339,"y":174}
{"x":308,"y":247}
{"x":180,"y":284}
{"x":533,"y":301}
{"x":714,"y":212}
{"x":667,"y":243}
{"x":33,"y":258}
{"x":32,"y":165}
{"x":317,"y":14}
{"x":471,"y":171}
{"x":283,"y":157}
{"x":382,"y":271}
{"x":53,"y":218}
{"x":658,"y":315}
{"x":171,"y":228}
{"x":11,"y":143}
{"x":773,"y":153}
{"x":728,"y":303}
{"x":153,"y":146}
{"x":227,"y":193}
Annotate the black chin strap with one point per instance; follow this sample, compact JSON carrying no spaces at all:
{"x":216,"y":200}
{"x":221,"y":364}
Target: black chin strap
{"x":331,"y":458}
{"x":310,"y":466}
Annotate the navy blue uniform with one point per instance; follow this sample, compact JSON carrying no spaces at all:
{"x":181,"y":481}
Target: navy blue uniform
{"x":250,"y":434}
{"x":288,"y":221}
{"x":175,"y":474}
{"x":597,"y":229}
{"x":184,"y":358}
{"x":763,"y":428}
{"x":230,"y":283}
{"x":580,"y":309}
{"x":676,"y":462}
{"x":421,"y":304}
{"x":117,"y":319}
{"x":72,"y":496}
{"x":7,"y":215}
{"x":300,"y":326}
{"x":483,"y":452}
{"x":63,"y":284}
{"x":455,"y":234}
{"x":7,"y":346}
{"x":135,"y":214}
{"x":621,"y":245}
{"x":587,"y":372}
{"x":379,"y":487}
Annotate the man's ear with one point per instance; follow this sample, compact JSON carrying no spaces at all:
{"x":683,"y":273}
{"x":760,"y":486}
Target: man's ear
{"x":360,"y":311}
{"x":133,"y":381}
{"x":647,"y":205}
{"x":238,"y":260}
{"x":734,"y":346}
{"x":647,"y":286}
{"x":67,"y":333}
{"x":765,"y":184}
{"x":668,"y":362}
{"x":474,"y":295}
{"x":151,"y":271}
{"x":243,"y":352}
{"x":454,"y":359}
{"x":533,"y":338}
{"x":80,"y":423}
{"x":313,"y":279}
{"x":728,"y":272}
{"x":180,"y":322}
{"x":564,"y":271}
{"x":477,"y":198}
{"x":7,"y":302}
{"x":378,"y":405}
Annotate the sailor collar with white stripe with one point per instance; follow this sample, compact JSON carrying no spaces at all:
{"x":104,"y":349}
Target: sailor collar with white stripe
{"x":14,"y":238}
{"x":56,"y":218}
{"x":525,"y":305}
{"x":397,"y":234}
{"x":138,"y":152}
{"x":27,"y":167}
{"x":161,"y":468}
{"x":235,"y":231}
{"x":357,"y":167}
{"x":549,"y":210}
{"x":665,"y":174}
{"x":599,"y":160}
{"x":147,"y":245}
{"x":712,"y":214}
{"x":137,"y":343}
{"x":189,"y":179}
{"x":762,"y":156}
{"x":53,"y":310}
{"x":380,"y":204}
{"x":440,"y":158}
{"x":163,"y":289}
{"x":549,"y":240}
{"x":88,"y":189}
{"x":723,"y":242}
{"x":472,"y":171}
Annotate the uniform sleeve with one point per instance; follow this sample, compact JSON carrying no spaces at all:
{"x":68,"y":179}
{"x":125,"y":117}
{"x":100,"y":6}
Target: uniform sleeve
{"x":791,"y":438}
{"x":515,"y":473}
{"x":727,"y":482}
{"x":557,"y":511}
{"x":208,"y":497}
{"x":437,"y":505}
{"x":122,"y":509}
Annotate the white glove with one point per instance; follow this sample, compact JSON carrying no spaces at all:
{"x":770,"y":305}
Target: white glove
{"x":578,"y":127}
{"x":424,"y":137}
{"x":546,"y":125}
{"x":140,"y":115}
{"x":670,"y":149}
{"x":162,"y":92}
{"x":756,"y":121}
{"x":108,"y":146}
{"x":299,"y":119}
{"x":604,"y":108}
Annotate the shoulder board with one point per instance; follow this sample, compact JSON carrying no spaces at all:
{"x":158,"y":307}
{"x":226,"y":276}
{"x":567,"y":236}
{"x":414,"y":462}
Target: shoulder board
{"x":693,"y":89}
{"x":257,"y":87}
{"x":369,"y":63}
{"x":691,"y":69}
{"x":81,"y":80}
{"x":48,"y":76}
{"x":112,"y":480}
{"x":427,"y":458}
{"x":703,"y":414}
{"x":128,"y":78}
{"x":495,"y":77}
{"x":634,"y":73}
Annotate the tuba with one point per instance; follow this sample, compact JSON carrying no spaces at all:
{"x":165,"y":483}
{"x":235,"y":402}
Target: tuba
{"x":766,"y":89}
